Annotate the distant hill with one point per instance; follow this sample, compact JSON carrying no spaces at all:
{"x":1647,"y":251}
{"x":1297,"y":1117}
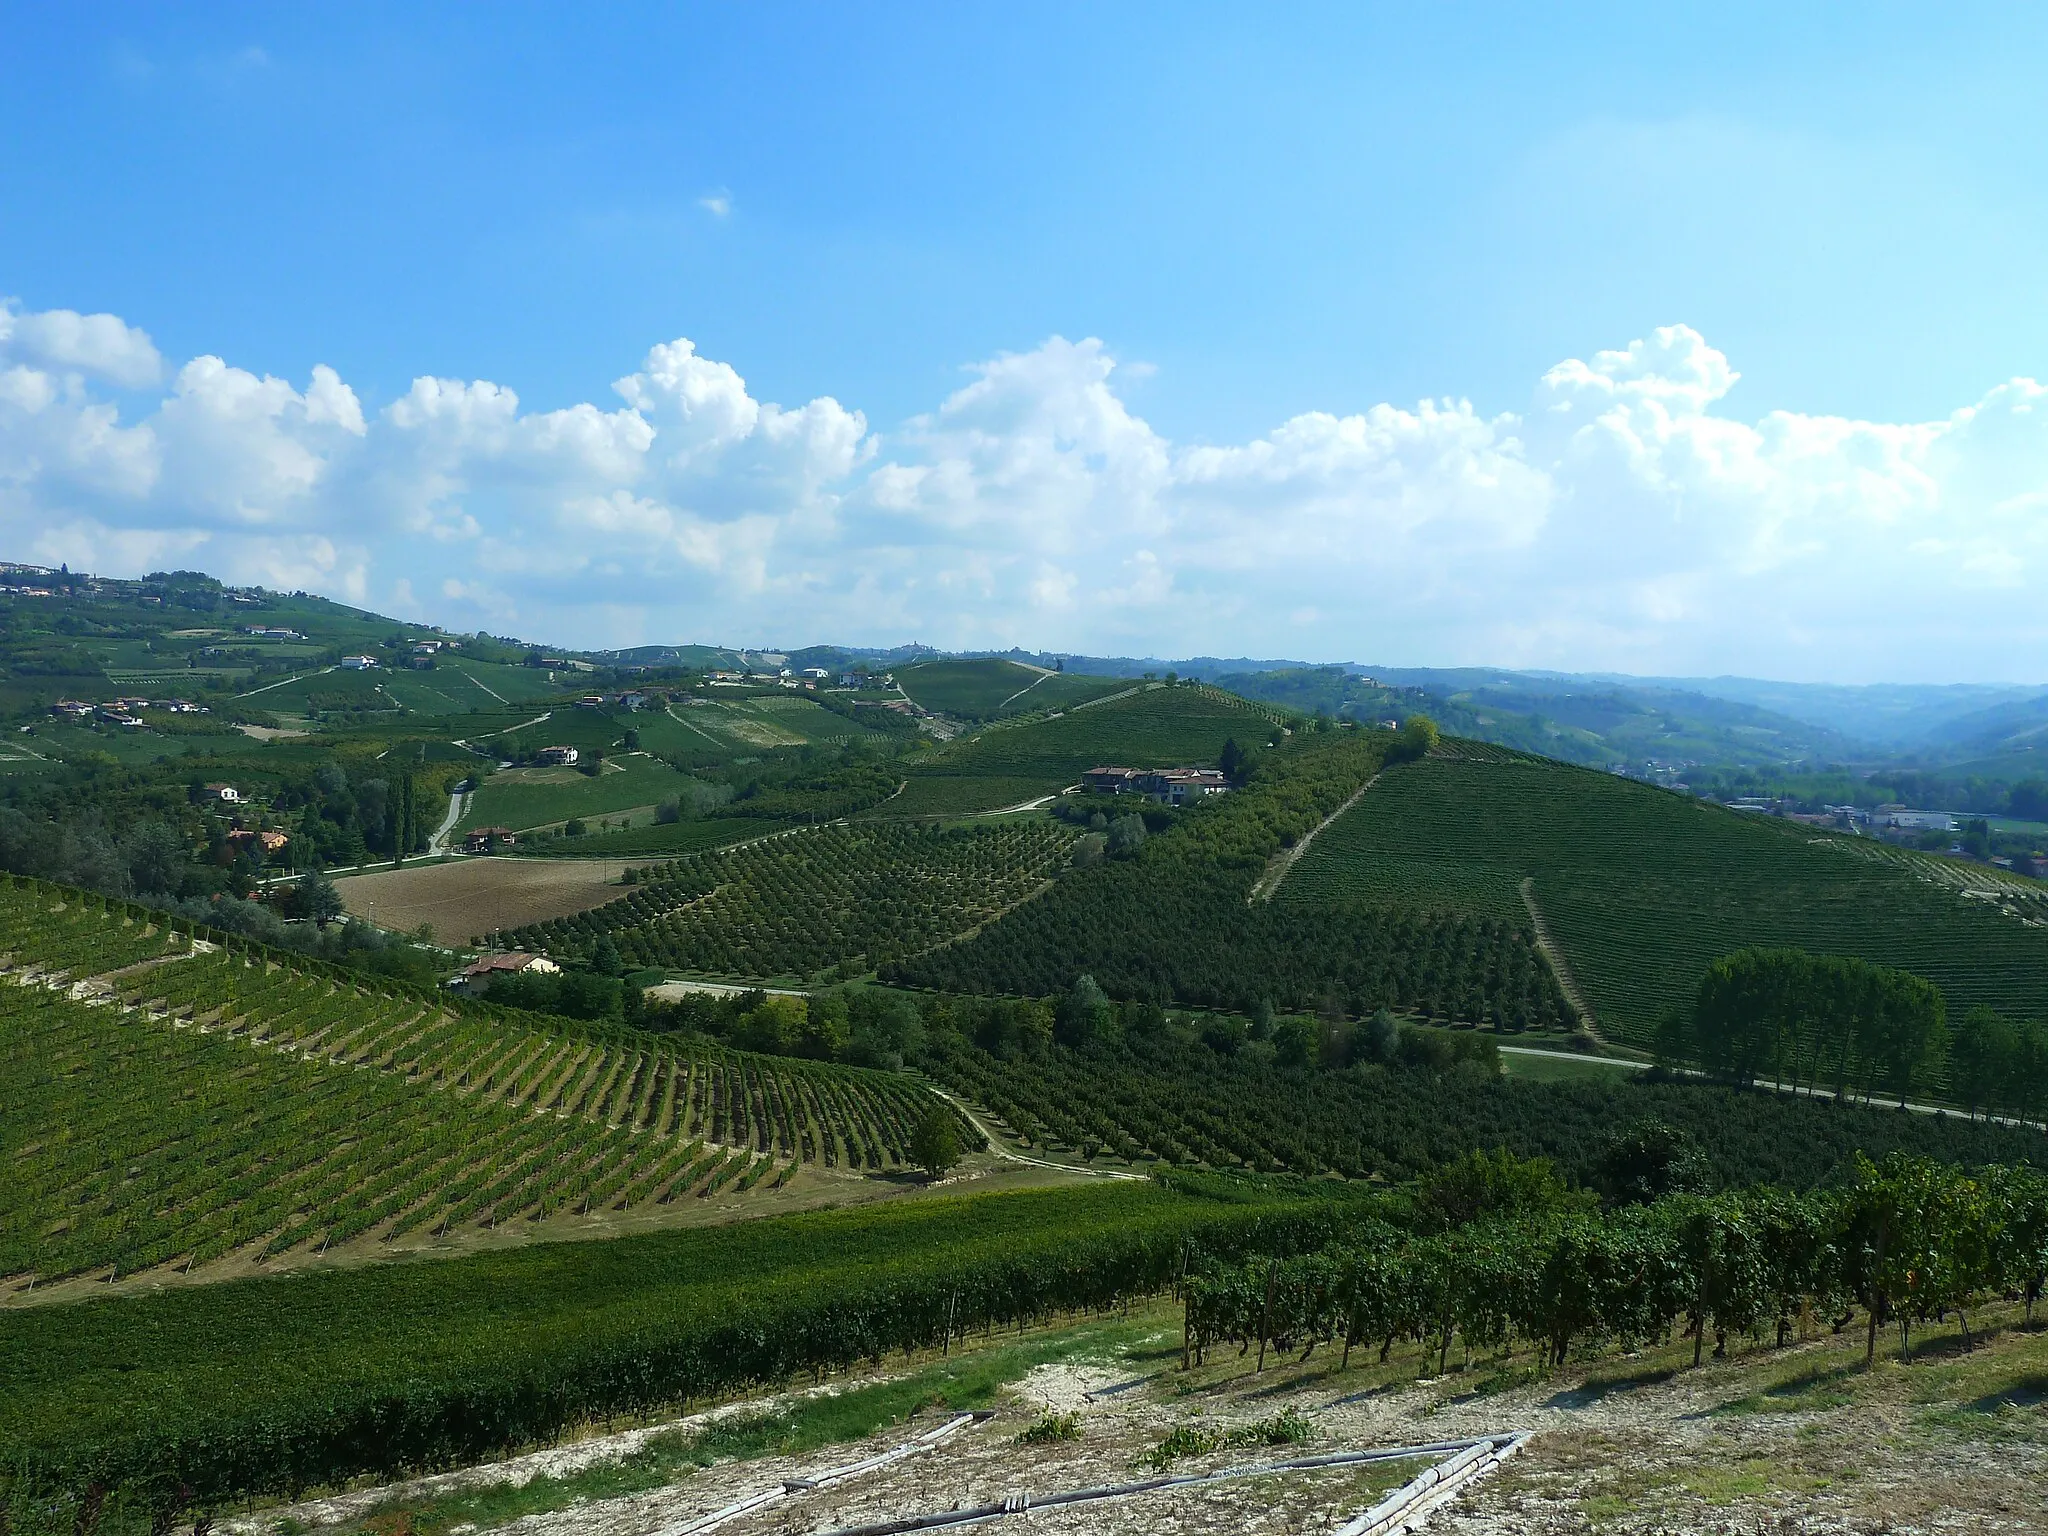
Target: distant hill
{"x":992,"y":688}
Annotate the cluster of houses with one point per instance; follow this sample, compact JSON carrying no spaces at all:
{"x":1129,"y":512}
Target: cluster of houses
{"x":632,"y":698}
{"x":1176,"y":786}
{"x":271,"y":632}
{"x":123,"y":712}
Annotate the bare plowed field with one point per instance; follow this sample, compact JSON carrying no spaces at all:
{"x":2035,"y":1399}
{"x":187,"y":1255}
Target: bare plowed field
{"x":468,"y":898}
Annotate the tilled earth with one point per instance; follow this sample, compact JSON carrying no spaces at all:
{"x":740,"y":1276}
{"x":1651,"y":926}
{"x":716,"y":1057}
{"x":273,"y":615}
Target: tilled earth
{"x":1793,"y":1440}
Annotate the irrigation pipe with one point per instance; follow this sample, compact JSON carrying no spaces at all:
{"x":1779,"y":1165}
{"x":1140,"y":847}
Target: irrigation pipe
{"x":1470,"y":1458}
{"x":1409,"y":1505}
{"x":826,"y":1479}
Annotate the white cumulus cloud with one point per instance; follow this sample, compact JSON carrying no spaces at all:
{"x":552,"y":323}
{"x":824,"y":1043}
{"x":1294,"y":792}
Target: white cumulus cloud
{"x":1622,"y":516}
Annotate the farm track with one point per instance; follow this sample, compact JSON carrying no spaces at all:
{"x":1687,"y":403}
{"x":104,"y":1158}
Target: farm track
{"x":1560,"y":967}
{"x":1277,"y":868}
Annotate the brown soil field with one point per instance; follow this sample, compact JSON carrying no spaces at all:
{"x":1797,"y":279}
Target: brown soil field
{"x":468,"y":898}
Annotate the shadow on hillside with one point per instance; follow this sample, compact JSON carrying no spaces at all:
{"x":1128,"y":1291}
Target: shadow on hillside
{"x":2031,"y":1392}
{"x":1597,"y":1389}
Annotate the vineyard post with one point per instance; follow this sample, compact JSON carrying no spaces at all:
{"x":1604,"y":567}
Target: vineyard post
{"x":952,"y":1301}
{"x":1187,"y":1320}
{"x":1266,"y":1311}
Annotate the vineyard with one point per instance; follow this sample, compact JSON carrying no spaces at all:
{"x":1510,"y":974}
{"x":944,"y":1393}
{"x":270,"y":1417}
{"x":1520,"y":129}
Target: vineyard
{"x":804,"y":902}
{"x":218,"y":1100}
{"x":1151,"y":727}
{"x":1907,"y":1241}
{"x":1172,"y":924}
{"x":392,"y":1369}
{"x":1181,"y":1102}
{"x":988,"y":688}
{"x":1643,"y":888}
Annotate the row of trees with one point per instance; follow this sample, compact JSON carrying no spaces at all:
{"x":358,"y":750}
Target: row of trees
{"x":1845,"y":1025}
{"x":1906,"y":1241}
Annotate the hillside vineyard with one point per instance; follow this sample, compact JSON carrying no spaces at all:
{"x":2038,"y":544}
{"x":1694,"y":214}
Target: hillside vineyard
{"x":182,"y":1109}
{"x":805,"y":901}
{"x":1643,"y":889}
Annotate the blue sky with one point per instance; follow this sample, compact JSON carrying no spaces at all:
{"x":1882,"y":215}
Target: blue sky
{"x":1093,"y":291}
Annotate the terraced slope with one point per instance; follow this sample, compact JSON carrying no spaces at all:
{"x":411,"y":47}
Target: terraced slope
{"x":163,"y":1100}
{"x":808,"y":900}
{"x":1643,"y":888}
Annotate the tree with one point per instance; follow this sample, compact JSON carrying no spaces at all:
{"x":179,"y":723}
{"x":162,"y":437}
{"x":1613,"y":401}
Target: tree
{"x":935,"y":1146}
{"x":1980,"y":1058}
{"x":1083,"y":1014}
{"x":316,"y":899}
{"x":1418,"y":735}
{"x":605,"y":958}
{"x":1648,"y":1161}
{"x":1126,"y":835}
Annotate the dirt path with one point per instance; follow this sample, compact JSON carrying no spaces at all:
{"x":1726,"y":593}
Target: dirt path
{"x":1560,"y":967}
{"x":995,"y":1146}
{"x":1278,"y":866}
{"x":285,"y":682}
{"x":1043,"y":674}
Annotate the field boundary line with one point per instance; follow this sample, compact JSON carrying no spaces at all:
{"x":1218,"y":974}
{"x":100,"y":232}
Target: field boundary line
{"x":1282,"y":863}
{"x":487,"y":688}
{"x":287,"y":682}
{"x":1560,"y":967}
{"x":1107,"y":698}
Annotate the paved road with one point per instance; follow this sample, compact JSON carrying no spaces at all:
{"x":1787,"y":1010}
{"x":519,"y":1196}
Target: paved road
{"x":438,"y":843}
{"x":1798,"y":1090}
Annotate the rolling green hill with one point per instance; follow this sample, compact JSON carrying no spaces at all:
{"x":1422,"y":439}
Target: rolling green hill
{"x":1140,"y":726}
{"x":1642,"y":888}
{"x":989,"y":688}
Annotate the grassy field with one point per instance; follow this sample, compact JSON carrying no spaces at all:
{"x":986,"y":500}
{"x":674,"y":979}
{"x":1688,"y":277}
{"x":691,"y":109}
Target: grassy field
{"x":226,"y":1106}
{"x":988,"y":688}
{"x":468,"y":898}
{"x":521,"y":798}
{"x":1643,"y":888}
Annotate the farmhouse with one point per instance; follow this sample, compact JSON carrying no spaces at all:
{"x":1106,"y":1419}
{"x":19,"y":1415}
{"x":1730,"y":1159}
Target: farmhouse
{"x":226,"y":794}
{"x":477,"y":975}
{"x":489,"y":839}
{"x":1176,"y":786}
{"x":357,"y":663}
{"x":269,"y":842}
{"x":556,"y":757}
